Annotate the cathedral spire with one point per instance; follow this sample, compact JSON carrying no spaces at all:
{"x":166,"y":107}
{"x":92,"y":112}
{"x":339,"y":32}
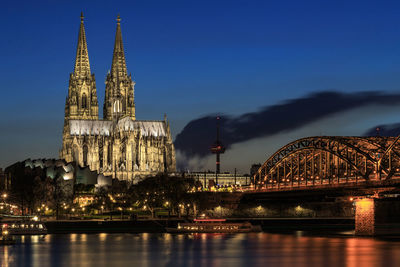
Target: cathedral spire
{"x":82,"y":101}
{"x":119,"y":96}
{"x":118,"y":67}
{"x":82,"y":66}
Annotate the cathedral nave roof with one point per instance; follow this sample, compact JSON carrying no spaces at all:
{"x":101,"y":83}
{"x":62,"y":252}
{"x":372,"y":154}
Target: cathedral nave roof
{"x":105,"y":127}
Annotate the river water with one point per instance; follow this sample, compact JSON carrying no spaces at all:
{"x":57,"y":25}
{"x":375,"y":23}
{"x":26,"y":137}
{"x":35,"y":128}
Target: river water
{"x":227,"y":250}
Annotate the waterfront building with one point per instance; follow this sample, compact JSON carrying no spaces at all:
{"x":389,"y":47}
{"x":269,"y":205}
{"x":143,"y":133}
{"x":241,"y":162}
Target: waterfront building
{"x":117,"y":145}
{"x":3,"y":180}
{"x":53,"y":169}
{"x":224,"y":179}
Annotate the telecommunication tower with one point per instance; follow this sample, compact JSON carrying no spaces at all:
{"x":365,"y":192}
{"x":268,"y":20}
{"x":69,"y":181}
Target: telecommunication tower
{"x":217,"y":149}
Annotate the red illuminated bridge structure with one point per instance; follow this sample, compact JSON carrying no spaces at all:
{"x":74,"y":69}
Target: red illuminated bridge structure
{"x":331,"y":161}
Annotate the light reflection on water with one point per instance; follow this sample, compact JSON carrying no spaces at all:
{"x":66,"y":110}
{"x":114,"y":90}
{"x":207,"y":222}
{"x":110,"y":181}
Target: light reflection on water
{"x":256,"y":249}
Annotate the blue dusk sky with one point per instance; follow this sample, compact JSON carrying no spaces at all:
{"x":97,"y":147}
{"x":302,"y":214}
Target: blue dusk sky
{"x":190,"y":59}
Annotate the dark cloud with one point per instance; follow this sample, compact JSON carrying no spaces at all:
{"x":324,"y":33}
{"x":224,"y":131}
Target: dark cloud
{"x":384,"y":130}
{"x":199,"y":134}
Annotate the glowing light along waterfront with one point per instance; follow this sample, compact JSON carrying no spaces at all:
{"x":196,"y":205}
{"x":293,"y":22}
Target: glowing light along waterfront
{"x":255,"y":249}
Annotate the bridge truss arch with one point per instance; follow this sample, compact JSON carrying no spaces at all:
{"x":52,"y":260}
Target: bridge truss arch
{"x":322,"y":160}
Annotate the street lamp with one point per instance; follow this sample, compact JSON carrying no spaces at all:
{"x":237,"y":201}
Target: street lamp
{"x":120,"y":209}
{"x":4,"y":196}
{"x":167,"y":206}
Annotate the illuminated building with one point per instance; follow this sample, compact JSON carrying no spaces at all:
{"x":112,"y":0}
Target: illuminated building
{"x":118,"y":145}
{"x":224,"y":179}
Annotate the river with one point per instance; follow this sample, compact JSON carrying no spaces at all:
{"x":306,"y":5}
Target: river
{"x":227,"y":250}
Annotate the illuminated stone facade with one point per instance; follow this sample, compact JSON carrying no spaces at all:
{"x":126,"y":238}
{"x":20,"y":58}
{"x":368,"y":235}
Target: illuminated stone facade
{"x":119,"y":145}
{"x":365,"y":217}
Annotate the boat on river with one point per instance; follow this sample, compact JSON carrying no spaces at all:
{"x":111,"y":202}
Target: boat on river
{"x":24,"y":228}
{"x":214,"y":226}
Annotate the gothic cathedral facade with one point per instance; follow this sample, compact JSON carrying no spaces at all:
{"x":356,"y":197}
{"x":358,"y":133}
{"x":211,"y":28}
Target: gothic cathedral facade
{"x":118,"y":145}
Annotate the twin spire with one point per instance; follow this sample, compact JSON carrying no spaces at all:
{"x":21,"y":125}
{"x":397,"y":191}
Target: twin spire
{"x":119,"y":94}
{"x":82,"y":65}
{"x":118,"y":67}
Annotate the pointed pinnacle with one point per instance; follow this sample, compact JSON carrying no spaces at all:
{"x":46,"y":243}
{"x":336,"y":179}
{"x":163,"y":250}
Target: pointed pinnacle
{"x":82,"y":66}
{"x":118,"y":66}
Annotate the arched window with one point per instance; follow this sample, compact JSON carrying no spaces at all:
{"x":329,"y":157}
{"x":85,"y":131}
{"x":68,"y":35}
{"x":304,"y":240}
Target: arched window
{"x":123,"y":105}
{"x":165,"y":161}
{"x":133,"y":157}
{"x":117,"y":106}
{"x":101,"y":152}
{"x":84,"y":100}
{"x":85,"y":155}
{"x":75,"y":154}
{"x":109,"y":156}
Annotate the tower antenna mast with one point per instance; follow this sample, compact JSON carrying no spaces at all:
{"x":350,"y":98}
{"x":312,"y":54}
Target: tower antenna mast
{"x":217,"y":149}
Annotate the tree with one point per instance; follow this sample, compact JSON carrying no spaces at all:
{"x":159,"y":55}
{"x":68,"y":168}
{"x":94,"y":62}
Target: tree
{"x":42,"y":191}
{"x":62,"y":193}
{"x":22,"y":183}
{"x":147,"y":194}
{"x":155,"y":192}
{"x":103,"y":201}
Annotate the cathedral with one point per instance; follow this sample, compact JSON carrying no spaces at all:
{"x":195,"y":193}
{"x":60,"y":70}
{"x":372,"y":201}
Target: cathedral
{"x":117,"y":145}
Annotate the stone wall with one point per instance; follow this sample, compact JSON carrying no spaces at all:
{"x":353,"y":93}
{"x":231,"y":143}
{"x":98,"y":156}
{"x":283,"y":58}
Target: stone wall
{"x":219,"y":203}
{"x":377,"y":217}
{"x":365,"y":217}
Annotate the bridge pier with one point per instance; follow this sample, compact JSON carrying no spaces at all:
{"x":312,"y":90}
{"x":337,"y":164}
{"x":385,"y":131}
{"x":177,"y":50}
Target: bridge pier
{"x":365,"y":217}
{"x":377,"y":217}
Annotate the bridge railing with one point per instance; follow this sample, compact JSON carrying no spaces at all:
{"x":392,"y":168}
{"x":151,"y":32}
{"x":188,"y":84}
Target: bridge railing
{"x":270,"y":188}
{"x":317,"y":161}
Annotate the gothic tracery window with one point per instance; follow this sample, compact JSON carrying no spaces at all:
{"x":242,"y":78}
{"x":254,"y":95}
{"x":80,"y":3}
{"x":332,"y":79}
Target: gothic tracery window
{"x":84,"y":101}
{"x":109,"y":156}
{"x":117,"y":106}
{"x":85,"y":155}
{"x":75,"y":154}
{"x":101,"y":153}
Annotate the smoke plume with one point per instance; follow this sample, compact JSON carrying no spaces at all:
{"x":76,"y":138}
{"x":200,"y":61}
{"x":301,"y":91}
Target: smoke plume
{"x":199,"y":134}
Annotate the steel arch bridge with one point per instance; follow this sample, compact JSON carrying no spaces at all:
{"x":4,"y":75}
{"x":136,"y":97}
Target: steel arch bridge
{"x":330,"y":160}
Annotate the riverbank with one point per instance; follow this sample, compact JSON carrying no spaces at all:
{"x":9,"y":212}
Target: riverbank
{"x":158,"y":226}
